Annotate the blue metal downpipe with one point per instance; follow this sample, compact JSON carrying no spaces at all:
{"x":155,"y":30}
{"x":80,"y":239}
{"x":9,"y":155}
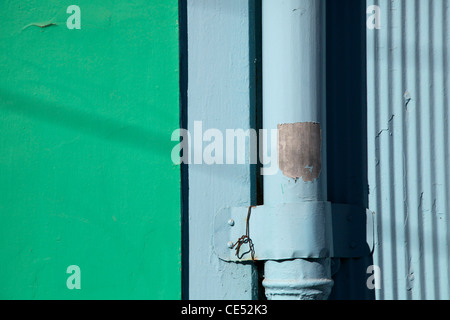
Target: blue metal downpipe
{"x":294,"y":103}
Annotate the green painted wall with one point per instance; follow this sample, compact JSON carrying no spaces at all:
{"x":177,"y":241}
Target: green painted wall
{"x":86,"y":178}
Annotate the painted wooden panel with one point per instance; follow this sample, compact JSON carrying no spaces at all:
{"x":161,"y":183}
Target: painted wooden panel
{"x":219,"y":98}
{"x":86,"y":178}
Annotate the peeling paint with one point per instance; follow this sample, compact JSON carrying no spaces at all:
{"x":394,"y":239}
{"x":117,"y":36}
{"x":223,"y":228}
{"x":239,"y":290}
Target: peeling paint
{"x":299,"y":150}
{"x":407,"y":97}
{"x":408,"y":163}
{"x":40,"y":25}
{"x":389,"y":129}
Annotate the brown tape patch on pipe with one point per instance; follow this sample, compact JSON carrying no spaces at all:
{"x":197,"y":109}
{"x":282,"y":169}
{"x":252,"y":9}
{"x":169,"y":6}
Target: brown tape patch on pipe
{"x":299,"y":150}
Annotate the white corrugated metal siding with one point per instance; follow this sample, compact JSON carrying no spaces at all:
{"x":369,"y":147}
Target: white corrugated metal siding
{"x":408,"y":147}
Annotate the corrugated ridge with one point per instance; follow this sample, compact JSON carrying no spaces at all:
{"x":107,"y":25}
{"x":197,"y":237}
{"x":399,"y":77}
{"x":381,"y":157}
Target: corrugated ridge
{"x":408,"y":137}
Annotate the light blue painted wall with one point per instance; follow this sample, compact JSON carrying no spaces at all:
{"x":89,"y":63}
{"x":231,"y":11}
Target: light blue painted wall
{"x":408,"y":147}
{"x":219,"y":96}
